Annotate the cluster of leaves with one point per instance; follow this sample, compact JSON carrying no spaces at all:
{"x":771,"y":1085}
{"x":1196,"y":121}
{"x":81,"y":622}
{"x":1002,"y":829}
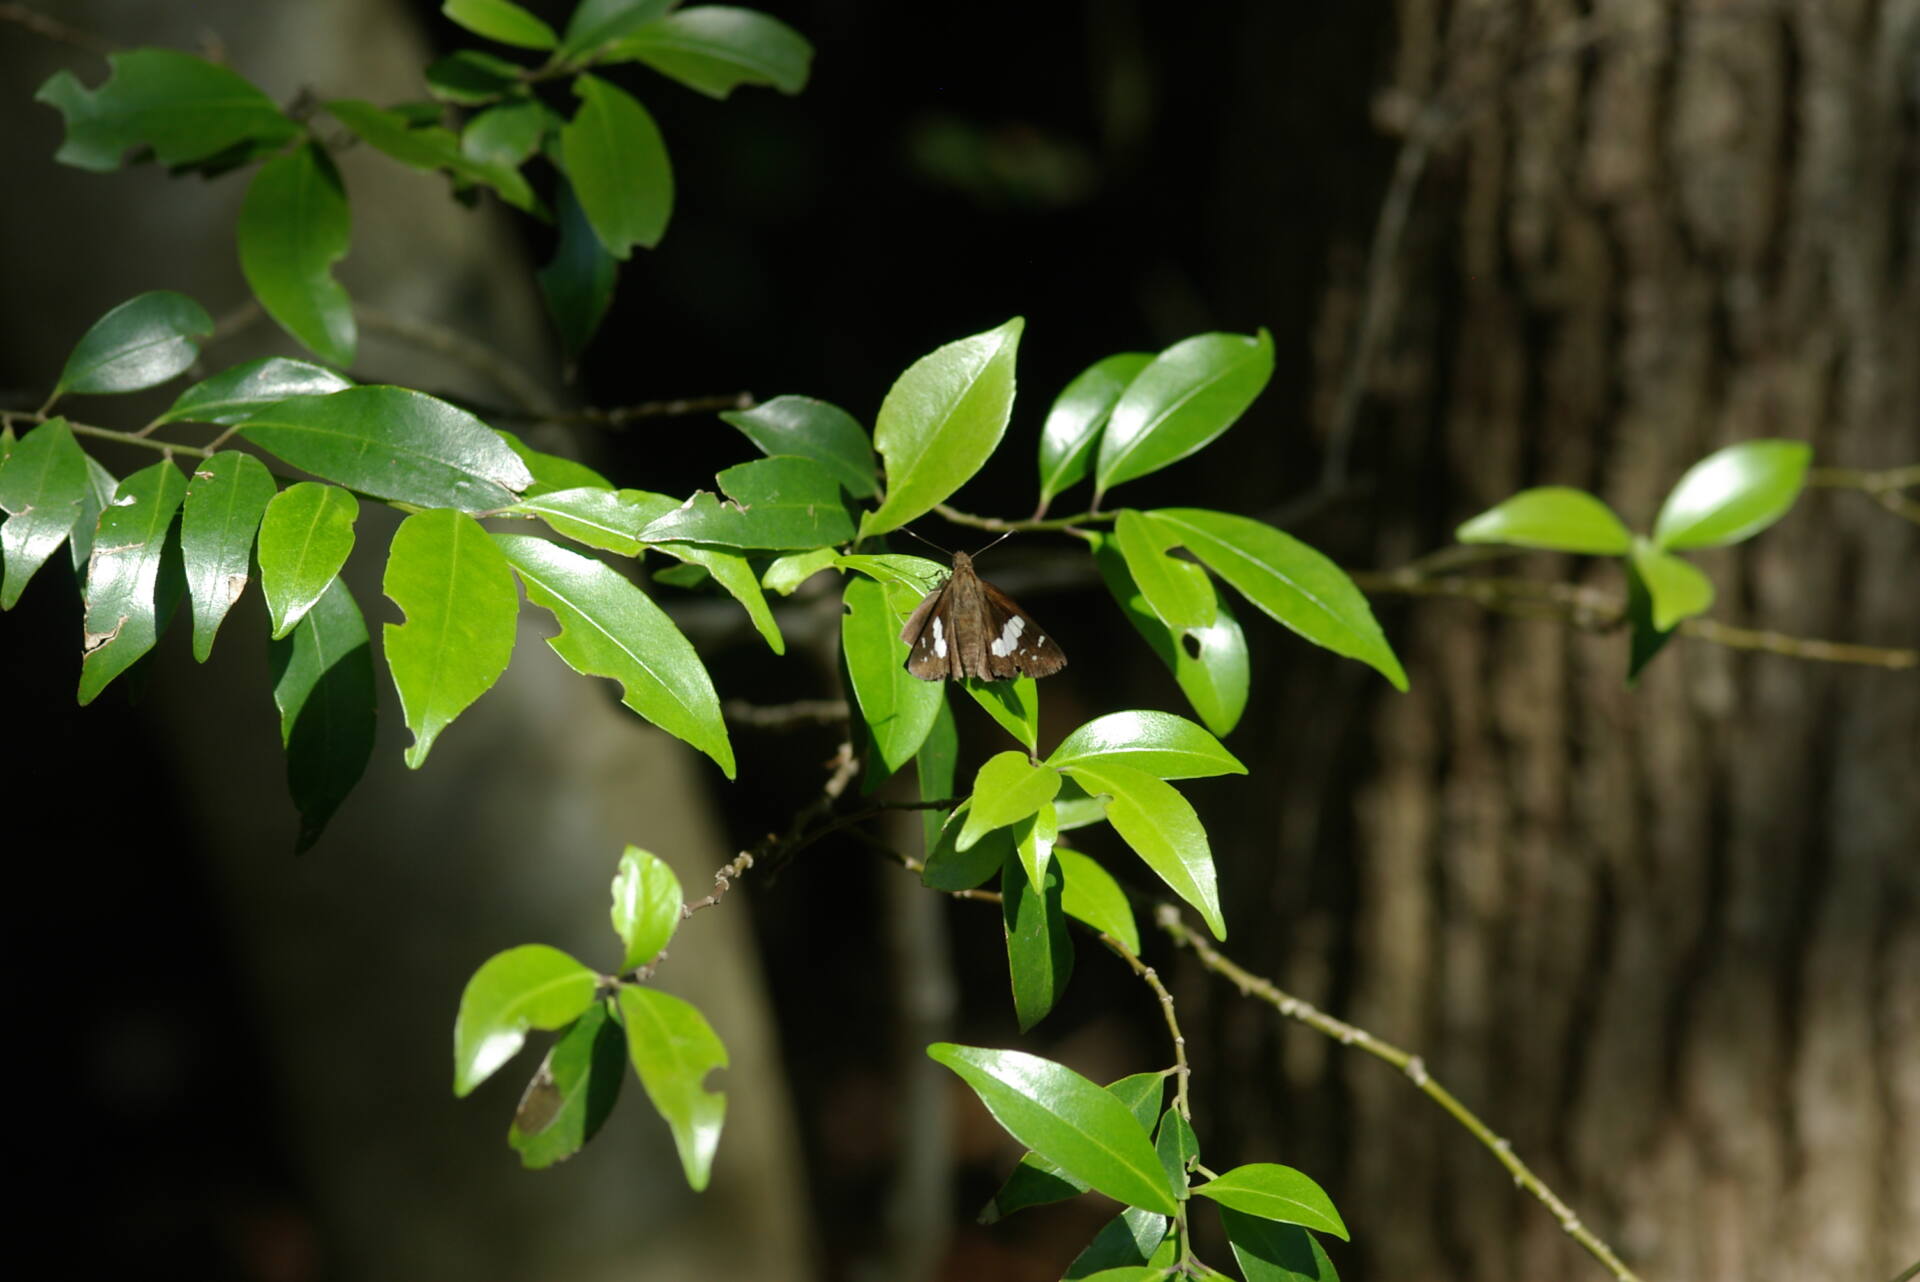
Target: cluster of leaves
{"x":611,"y":187}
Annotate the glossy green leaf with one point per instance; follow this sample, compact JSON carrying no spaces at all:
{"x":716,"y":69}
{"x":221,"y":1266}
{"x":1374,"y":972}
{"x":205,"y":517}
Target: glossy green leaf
{"x":609,"y":628}
{"x":573,"y":1092}
{"x":1291,"y":582}
{"x":646,"y":906}
{"x":294,"y":225}
{"x":393,"y":443}
{"x":552,"y":472}
{"x":770,"y":503}
{"x":122,"y":617}
{"x":503,"y":21}
{"x":305,"y":537}
{"x":934,"y":767}
{"x":1177,"y":1146}
{"x":1645,"y":640}
{"x":578,"y":280}
{"x":1007,"y":788}
{"x":323,"y":687}
{"x":596,"y":23}
{"x":1075,"y":809}
{"x":1090,"y":894}
{"x":1033,"y":841}
{"x":949,"y":868}
{"x":1134,"y":1239}
{"x":141,"y":343}
{"x":1732,"y":494}
{"x":1270,"y":1252}
{"x":805,"y":428}
{"x":614,"y":156}
{"x":226,"y":497}
{"x":185,"y":108}
{"x":1210,"y":665}
{"x":941,"y":421}
{"x":43,"y":489}
{"x":1555,"y":517}
{"x":673,"y":1049}
{"x":1177,"y":591}
{"x":506,"y":136}
{"x":1677,"y":588}
{"x":532,"y":986}
{"x":916,"y":574}
{"x":1039,"y":949}
{"x":1162,"y":829}
{"x":786,"y":573}
{"x":597,"y":516}
{"x":734,"y":573}
{"x":898,"y":708}
{"x":1014,"y":704}
{"x":234,"y":394}
{"x":1190,"y":394}
{"x":453,"y":584}
{"x":1073,"y":424}
{"x":1275,"y":1192}
{"x":98,"y":493}
{"x":430,"y":147}
{"x":1036,"y":1181}
{"x":716,"y":48}
{"x":471,"y":77}
{"x":1161,"y":744}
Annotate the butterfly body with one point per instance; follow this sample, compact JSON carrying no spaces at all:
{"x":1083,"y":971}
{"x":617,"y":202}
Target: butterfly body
{"x":966,"y":627}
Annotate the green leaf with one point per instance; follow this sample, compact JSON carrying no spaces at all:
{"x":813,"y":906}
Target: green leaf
{"x":1007,"y":789}
{"x":673,"y":1049}
{"x":305,"y":537}
{"x":646,"y":906}
{"x":597,"y":516}
{"x":1732,"y":494}
{"x":1039,"y":949}
{"x":787,"y":573}
{"x":141,"y":343}
{"x":716,"y":48}
{"x":1275,"y":1192}
{"x":898,"y":708}
{"x":916,"y":574}
{"x":294,"y":225}
{"x":578,"y":280}
{"x":934,"y":767}
{"x":1162,"y":744}
{"x":1014,"y":704}
{"x":609,"y":628}
{"x":941,"y":420}
{"x":43,"y":488}
{"x":1075,"y":809}
{"x":949,"y":868}
{"x":1210,"y":665}
{"x":1178,"y":592}
{"x":226,"y":498}
{"x":506,"y":136}
{"x":183,"y":107}
{"x":1090,"y":894}
{"x":1270,"y":1252}
{"x":1130,"y":1273}
{"x":471,"y":77}
{"x":1177,"y":1146}
{"x":393,"y":443}
{"x":1291,"y":582}
{"x":573,"y":1092}
{"x":1190,"y":394}
{"x":121,"y":621}
{"x":532,"y":986}
{"x":1131,"y":1240}
{"x":614,"y":156}
{"x":502,"y":21}
{"x":323,"y":687}
{"x":430,"y":147}
{"x":735,"y":575}
{"x":552,"y":471}
{"x":805,"y":428}
{"x":1162,"y":829}
{"x":453,"y":584}
{"x":1036,"y":1181}
{"x":1079,"y":412}
{"x":99,"y":492}
{"x":600,"y":22}
{"x":1678,"y":589}
{"x":771,"y":503}
{"x":1645,"y":639}
{"x":1555,"y":517}
{"x":1066,"y":1119}
{"x":234,"y":394}
{"x":1033,"y":840}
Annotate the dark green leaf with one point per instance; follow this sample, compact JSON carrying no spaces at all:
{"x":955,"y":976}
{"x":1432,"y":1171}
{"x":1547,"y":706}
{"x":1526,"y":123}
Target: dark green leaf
{"x":1732,"y":494}
{"x":305,"y":537}
{"x":1677,"y":588}
{"x":1014,"y":704}
{"x":471,"y":77}
{"x":43,"y":488}
{"x":770,"y":503}
{"x":1210,"y":665}
{"x":503,"y":21}
{"x":1555,"y":517}
{"x":578,"y":280}
{"x":532,"y":986}
{"x":430,"y":147}
{"x":141,"y":343}
{"x":950,"y":868}
{"x":1039,"y":949}
{"x":1177,"y":591}
{"x":934,"y":766}
{"x":1129,"y":1240}
{"x":673,"y":1049}
{"x":897,"y":708}
{"x":1162,"y":829}
{"x":1007,"y":788}
{"x":1646,"y":640}
{"x":599,"y":22}
{"x":1177,"y":1146}
{"x":1270,"y":1252}
{"x":1275,"y":1192}
{"x":810,"y":429}
{"x":294,"y":225}
{"x":614,"y":156}
{"x":505,"y":136}
{"x":232,"y":395}
{"x":596,"y":516}
{"x":1073,"y":424}
{"x":646,"y":906}
{"x":226,"y":497}
{"x":99,"y":492}
{"x":573,"y":1092}
{"x":715,"y":48}
{"x":122,"y":620}
{"x":323,"y":687}
{"x":552,"y":471}
{"x":1192,"y":392}
{"x":1160,"y":743}
{"x":1091,"y":895}
{"x":185,"y":108}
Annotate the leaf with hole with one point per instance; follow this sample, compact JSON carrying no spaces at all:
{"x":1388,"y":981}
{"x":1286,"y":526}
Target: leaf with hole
{"x":1209,"y":664}
{"x":122,"y":617}
{"x":226,"y":498}
{"x":673,"y":1048}
{"x":185,"y":108}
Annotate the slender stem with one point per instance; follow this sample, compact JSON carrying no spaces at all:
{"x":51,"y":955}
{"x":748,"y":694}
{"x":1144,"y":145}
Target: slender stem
{"x":1149,"y":976}
{"x":786,"y":716}
{"x":613,"y":417}
{"x":1001,"y":525}
{"x":53,"y":29}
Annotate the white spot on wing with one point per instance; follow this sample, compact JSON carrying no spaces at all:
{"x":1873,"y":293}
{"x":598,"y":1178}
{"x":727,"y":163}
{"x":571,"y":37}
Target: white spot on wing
{"x":1009,"y":637}
{"x":939,"y":639}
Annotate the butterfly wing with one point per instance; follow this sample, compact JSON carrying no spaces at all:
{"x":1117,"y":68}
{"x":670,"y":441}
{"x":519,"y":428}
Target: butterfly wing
{"x":930,"y":650}
{"x":1016,"y":645}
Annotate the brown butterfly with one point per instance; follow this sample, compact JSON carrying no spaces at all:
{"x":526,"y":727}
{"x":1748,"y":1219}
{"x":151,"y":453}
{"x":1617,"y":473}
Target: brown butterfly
{"x":966,"y":627}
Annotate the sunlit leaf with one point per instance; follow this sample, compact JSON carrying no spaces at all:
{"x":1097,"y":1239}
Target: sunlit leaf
{"x":1190,"y":394}
{"x":897,"y":707}
{"x":1555,"y":517}
{"x":1015,"y":705}
{"x":1732,"y":494}
{"x":1036,"y":1181}
{"x":503,"y":21}
{"x":122,"y":618}
{"x":596,"y":23}
{"x":614,"y":156}
{"x":1209,"y":664}
{"x":949,"y":868}
{"x":1162,"y":829}
{"x":1007,"y":788}
{"x":141,"y":343}
{"x":1073,"y":425}
{"x":234,"y":394}
{"x":1275,"y":1192}
{"x":226,"y":497}
{"x":786,"y":573}
{"x":770,"y":503}
{"x":1677,"y":588}
{"x":1177,"y":591}
{"x":673,"y":1048}
{"x":1090,"y":894}
{"x":432,"y":147}
{"x":646,"y":906}
{"x":552,"y":472}
{"x":1134,"y":1239}
{"x":294,"y":225}
{"x":305,"y":536}
{"x":43,"y":489}
{"x":810,"y":429}
{"x":1039,"y":949}
{"x":1159,"y":743}
{"x":532,"y":986}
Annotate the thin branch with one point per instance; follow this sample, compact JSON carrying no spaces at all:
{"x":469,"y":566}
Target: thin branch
{"x":1000,"y":525}
{"x":615,"y":417}
{"x":1182,"y":1071}
{"x":786,"y":716}
{"x":1883,"y":486}
{"x":488,"y":362}
{"x":53,"y":29}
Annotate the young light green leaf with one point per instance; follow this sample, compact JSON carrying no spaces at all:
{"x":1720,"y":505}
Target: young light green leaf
{"x":805,"y":428}
{"x":183,"y":107}
{"x":1129,"y":1273}
{"x":646,"y":906}
{"x":578,"y":280}
{"x":1066,"y":1119}
{"x":1090,"y":894}
{"x":612,"y":153}
{"x":1162,"y":744}
{"x":141,"y":343}
{"x":1557,"y":518}
{"x":1177,"y":1146}
{"x":323,"y":687}
{"x":898,"y":708}
{"x":472,"y":77}
{"x":673,"y":1049}
{"x":1270,"y":1252}
{"x":1210,"y":665}
{"x":941,"y":420}
{"x":503,"y":137}
{"x":122,"y":618}
{"x":305,"y":537}
{"x":503,"y":21}
{"x":1033,"y":840}
{"x":454,"y":586}
{"x":596,"y":23}
{"x":597,"y":516}
{"x":1732,"y":494}
{"x":1190,"y":394}
{"x":572,"y":1093}
{"x":232,"y":395}
{"x":43,"y":489}
{"x":1178,"y":592}
{"x":715,"y":48}
{"x":294,"y":225}
{"x":532,"y":986}
{"x":1036,"y":1181}
{"x":1677,"y":588}
{"x":771,"y":503}
{"x":1162,"y":829}
{"x":393,"y":443}
{"x":786,"y":573}
{"x":1291,"y":582}
{"x":735,"y":576}
{"x":1014,"y":704}
{"x":1007,"y":789}
{"x":1039,"y":949}
{"x":610,"y":629}
{"x":226,"y":497}
{"x":1079,"y":412}
{"x":1134,"y":1239}
{"x":1075,"y":809}
{"x":1275,"y":1192}
{"x":552,"y":472}
{"x":949,"y":868}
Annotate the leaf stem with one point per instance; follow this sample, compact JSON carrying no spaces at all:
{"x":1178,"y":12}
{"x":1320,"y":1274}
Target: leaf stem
{"x":1002,"y":525}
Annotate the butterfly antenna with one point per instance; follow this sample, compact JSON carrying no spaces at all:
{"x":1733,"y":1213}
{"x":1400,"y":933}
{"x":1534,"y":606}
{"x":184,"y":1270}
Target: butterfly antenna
{"x":996,"y":543}
{"x":929,"y":542}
